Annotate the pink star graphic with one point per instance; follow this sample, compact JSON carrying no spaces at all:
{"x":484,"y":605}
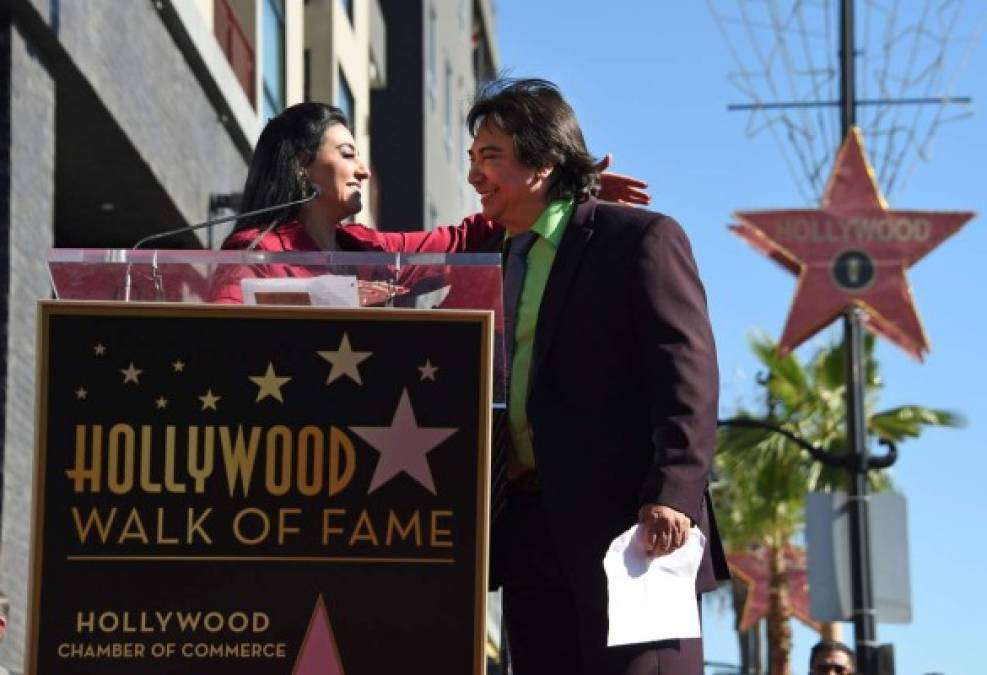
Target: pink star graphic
{"x":319,"y":654}
{"x":403,"y":446}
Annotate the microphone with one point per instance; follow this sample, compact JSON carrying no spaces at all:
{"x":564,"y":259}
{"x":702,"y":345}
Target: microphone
{"x":225,"y":219}
{"x":158,"y":287}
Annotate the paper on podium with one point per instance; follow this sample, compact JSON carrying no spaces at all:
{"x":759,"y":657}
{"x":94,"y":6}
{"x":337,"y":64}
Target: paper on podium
{"x":652,"y":599}
{"x":323,"y":291}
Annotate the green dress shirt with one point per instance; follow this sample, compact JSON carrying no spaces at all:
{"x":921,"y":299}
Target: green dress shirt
{"x":549,"y":227}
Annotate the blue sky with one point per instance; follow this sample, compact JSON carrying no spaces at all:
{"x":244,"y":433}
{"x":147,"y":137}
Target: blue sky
{"x":648,"y":82}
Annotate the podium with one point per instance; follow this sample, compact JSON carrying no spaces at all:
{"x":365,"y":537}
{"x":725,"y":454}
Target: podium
{"x":233,"y":477}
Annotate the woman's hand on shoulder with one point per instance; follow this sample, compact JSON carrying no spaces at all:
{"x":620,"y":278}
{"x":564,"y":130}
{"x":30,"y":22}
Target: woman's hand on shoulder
{"x":615,"y":187}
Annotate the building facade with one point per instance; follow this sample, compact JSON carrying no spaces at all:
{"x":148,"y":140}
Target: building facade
{"x":443,"y":52}
{"x":123,"y":119}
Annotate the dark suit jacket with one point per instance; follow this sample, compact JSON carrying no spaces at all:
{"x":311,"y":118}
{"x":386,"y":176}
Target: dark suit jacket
{"x":623,"y":385}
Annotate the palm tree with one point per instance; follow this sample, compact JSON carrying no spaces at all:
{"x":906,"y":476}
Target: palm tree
{"x":764,"y":476}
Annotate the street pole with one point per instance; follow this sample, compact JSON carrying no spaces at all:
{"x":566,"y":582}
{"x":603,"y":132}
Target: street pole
{"x":848,"y":86}
{"x":864,"y":624}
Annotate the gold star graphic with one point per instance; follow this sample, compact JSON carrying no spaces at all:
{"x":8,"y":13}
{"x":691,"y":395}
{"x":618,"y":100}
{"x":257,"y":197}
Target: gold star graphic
{"x":162,"y":403}
{"x":99,"y":349}
{"x":428,"y":371}
{"x":178,"y":366}
{"x":209,"y":400}
{"x":344,"y":361}
{"x":81,"y":394}
{"x":270,"y":384}
{"x":131,"y":374}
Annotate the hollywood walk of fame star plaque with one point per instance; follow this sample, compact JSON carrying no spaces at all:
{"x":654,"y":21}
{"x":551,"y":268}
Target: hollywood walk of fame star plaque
{"x":295,"y":498}
{"x":851,"y":251}
{"x":752,"y":568}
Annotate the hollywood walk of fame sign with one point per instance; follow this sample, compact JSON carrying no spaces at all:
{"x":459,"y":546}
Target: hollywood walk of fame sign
{"x":852,"y":251}
{"x":250,"y":511}
{"x":753,"y":569}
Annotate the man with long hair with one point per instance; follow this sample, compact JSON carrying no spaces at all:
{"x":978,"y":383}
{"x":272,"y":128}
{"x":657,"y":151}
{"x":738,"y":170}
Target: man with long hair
{"x":612,"y":388}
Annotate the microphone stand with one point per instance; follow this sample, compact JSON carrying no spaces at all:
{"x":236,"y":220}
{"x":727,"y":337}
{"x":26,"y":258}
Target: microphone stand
{"x":155,"y":272}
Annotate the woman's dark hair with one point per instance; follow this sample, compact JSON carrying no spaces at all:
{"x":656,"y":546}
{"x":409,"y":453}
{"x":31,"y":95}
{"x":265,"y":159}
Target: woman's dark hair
{"x":286,"y":146}
{"x":545,"y":132}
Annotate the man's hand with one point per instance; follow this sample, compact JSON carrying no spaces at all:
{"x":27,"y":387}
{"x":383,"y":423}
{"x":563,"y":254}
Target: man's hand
{"x":663,"y":529}
{"x":621,"y":189}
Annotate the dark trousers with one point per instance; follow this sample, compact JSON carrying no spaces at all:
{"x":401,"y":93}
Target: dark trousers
{"x":556,"y":617}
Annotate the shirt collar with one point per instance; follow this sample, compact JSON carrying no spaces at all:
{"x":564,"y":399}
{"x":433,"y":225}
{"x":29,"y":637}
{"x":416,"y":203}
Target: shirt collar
{"x":550,"y":225}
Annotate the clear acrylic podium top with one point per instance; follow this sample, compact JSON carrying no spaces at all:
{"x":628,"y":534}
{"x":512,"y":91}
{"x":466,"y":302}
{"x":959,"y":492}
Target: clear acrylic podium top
{"x":329,"y":279}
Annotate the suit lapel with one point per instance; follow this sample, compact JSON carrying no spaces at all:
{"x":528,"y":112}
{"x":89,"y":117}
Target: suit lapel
{"x":567,"y":258}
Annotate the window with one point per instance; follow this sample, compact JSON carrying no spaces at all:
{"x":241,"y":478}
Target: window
{"x":344,"y":101}
{"x":237,"y":48}
{"x":273,"y":76}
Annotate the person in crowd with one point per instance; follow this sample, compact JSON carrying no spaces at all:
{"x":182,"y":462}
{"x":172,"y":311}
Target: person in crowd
{"x":829,"y":657}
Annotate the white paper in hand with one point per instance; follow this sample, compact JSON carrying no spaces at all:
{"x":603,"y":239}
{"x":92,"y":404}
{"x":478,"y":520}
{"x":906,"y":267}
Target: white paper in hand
{"x":652,"y":599}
